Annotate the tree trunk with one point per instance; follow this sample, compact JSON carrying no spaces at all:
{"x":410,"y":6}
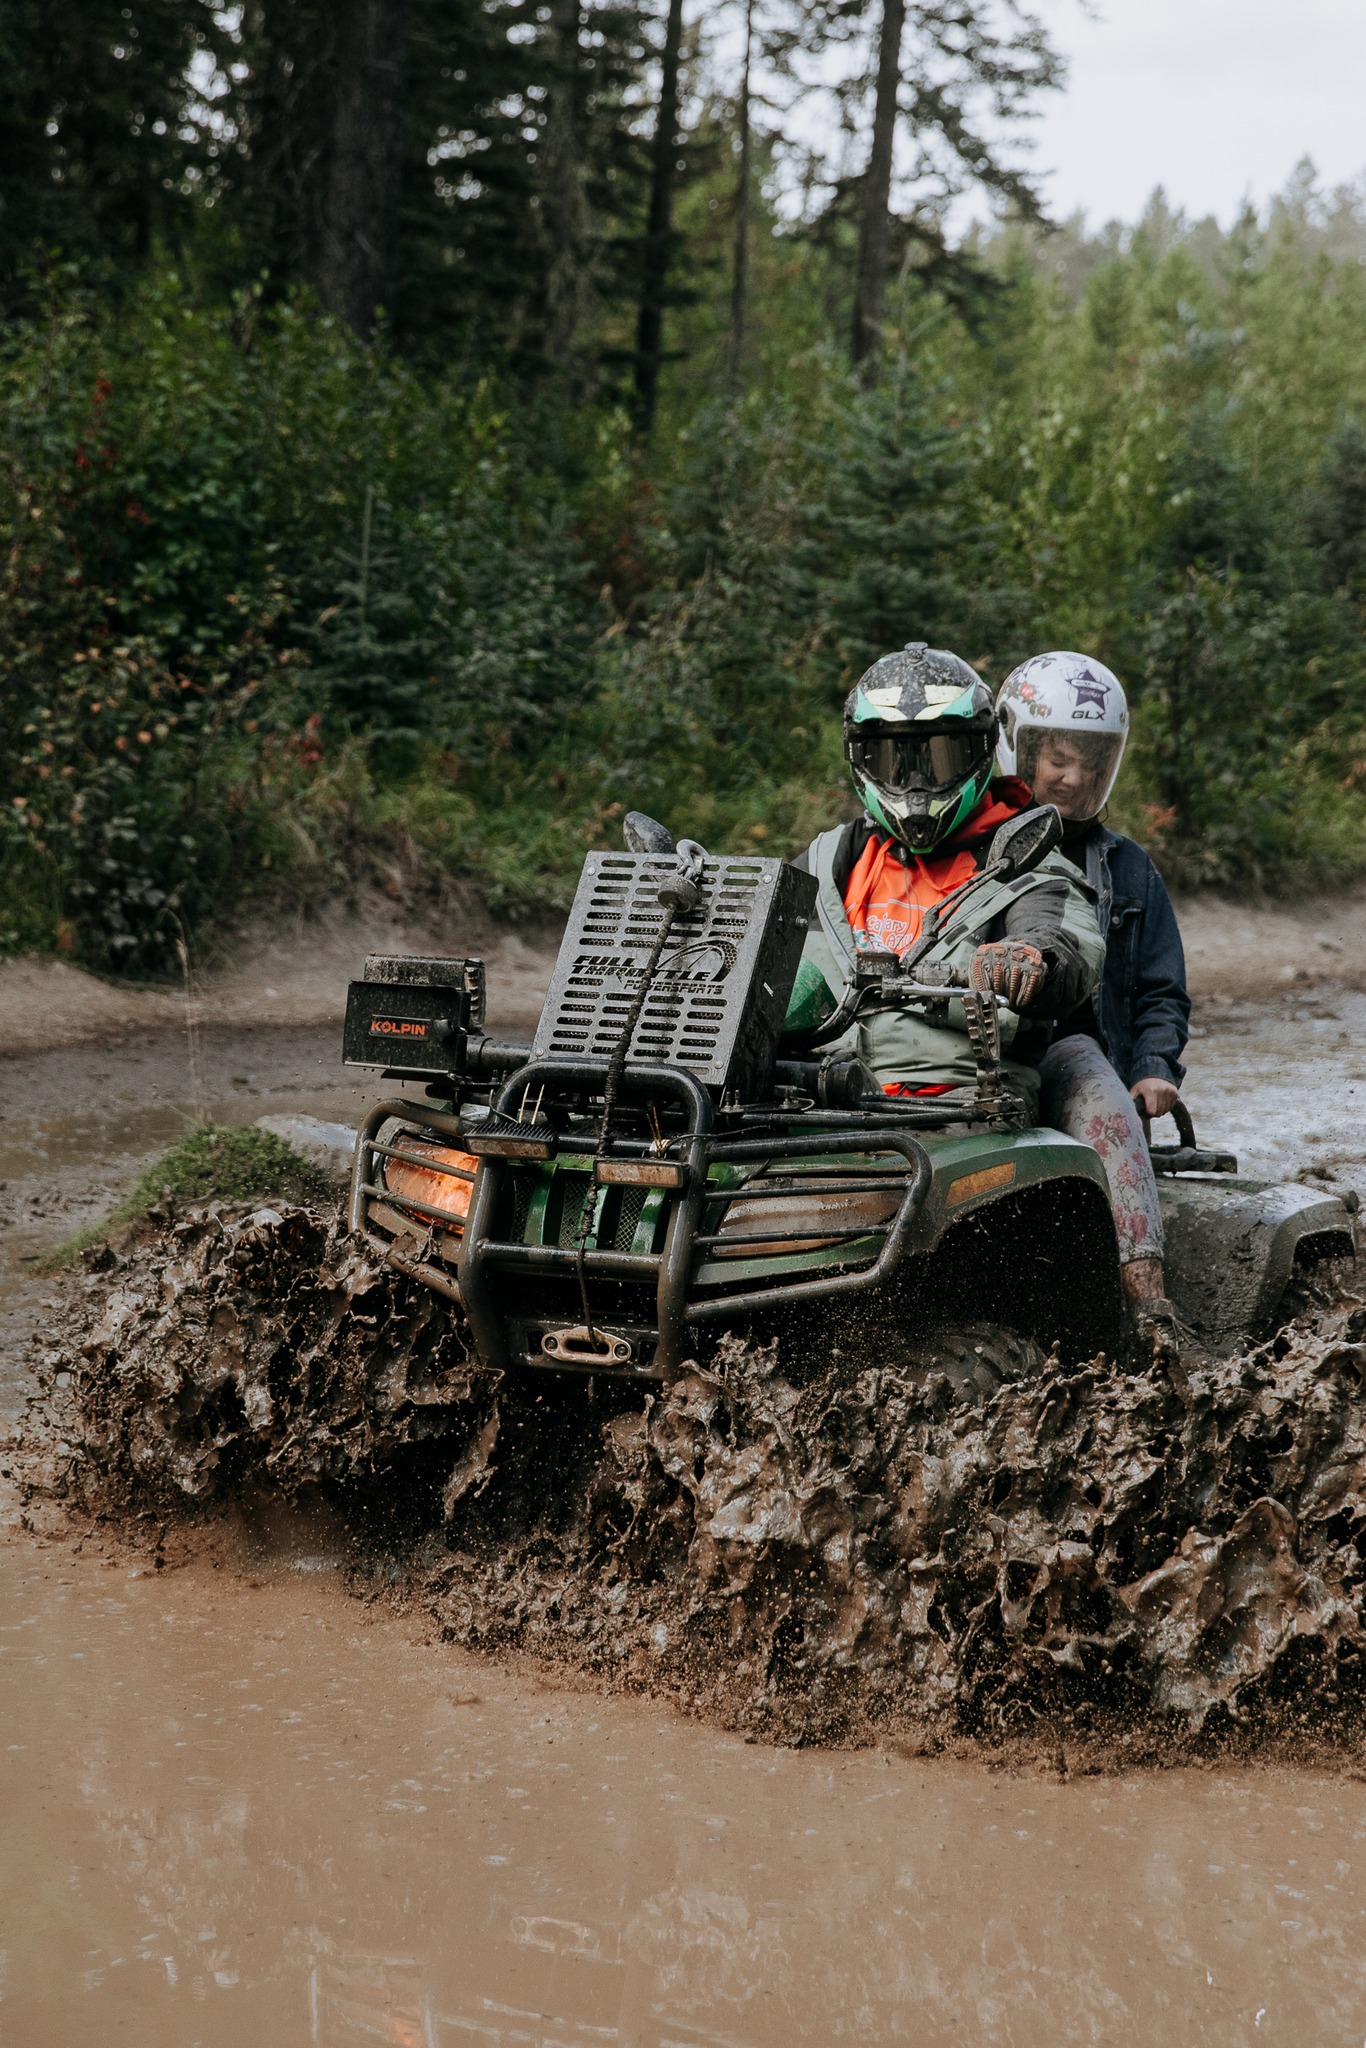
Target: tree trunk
{"x":356,"y":246}
{"x":565,"y":210}
{"x":658,"y":250}
{"x":870,"y":283}
{"x":739,"y":278}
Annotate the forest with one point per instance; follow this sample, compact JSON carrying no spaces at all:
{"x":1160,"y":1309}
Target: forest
{"x":430,"y":430}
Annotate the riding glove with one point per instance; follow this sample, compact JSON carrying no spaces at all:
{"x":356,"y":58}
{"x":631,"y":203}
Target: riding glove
{"x":1010,"y":969}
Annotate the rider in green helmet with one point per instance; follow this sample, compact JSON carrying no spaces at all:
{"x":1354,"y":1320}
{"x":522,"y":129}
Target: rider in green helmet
{"x":920,"y":739}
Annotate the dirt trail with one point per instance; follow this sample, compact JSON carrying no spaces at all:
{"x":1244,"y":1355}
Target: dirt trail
{"x":294,"y":971}
{"x":277,"y":974}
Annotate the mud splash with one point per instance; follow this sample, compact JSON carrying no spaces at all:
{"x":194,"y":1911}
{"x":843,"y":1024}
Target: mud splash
{"x":830,"y":1555}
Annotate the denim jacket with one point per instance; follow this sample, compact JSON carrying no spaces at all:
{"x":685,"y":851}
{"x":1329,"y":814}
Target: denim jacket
{"x":1142,"y":1009}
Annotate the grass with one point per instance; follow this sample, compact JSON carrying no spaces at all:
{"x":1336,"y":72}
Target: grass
{"x":208,"y":1164}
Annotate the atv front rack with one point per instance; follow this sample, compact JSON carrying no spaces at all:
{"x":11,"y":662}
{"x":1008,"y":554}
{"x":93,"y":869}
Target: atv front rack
{"x":486,"y":1262}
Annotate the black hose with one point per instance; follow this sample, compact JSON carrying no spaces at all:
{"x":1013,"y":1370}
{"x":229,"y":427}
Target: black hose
{"x":615,"y":1068}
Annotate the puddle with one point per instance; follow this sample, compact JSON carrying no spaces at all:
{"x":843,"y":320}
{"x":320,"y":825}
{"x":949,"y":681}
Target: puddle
{"x":1283,"y":1083}
{"x":243,"y":1813}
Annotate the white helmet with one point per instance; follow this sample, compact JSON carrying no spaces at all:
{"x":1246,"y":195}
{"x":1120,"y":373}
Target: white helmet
{"x":1074,"y":708}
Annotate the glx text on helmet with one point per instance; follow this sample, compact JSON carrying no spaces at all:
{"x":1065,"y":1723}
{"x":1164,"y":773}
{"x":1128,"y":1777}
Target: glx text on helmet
{"x":1070,"y":703}
{"x":919,"y":735}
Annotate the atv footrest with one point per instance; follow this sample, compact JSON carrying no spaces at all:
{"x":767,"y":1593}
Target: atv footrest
{"x":1190,"y":1159}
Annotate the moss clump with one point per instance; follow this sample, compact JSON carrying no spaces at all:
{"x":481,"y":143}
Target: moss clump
{"x":209,"y":1164}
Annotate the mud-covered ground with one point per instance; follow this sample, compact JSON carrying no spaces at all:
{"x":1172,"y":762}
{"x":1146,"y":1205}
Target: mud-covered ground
{"x":806,"y":1551}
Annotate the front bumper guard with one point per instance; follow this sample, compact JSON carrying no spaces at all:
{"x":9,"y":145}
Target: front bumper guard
{"x":482,"y":1256}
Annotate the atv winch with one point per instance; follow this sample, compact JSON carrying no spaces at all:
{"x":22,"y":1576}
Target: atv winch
{"x":660,"y":1165}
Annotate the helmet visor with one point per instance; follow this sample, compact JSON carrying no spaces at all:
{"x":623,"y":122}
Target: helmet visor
{"x":899,"y":758}
{"x":1074,"y":770}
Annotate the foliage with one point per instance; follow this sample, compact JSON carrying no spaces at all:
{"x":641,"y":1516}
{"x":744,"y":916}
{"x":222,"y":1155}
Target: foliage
{"x":275,"y":602}
{"x":182,"y":629}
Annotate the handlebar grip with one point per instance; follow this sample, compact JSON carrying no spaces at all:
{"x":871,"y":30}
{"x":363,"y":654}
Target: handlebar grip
{"x":1181,"y":1117}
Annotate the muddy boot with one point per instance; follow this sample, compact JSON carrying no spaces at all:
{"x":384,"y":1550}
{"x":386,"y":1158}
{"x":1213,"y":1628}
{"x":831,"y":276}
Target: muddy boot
{"x":1160,"y":1337}
{"x":1143,"y":1280}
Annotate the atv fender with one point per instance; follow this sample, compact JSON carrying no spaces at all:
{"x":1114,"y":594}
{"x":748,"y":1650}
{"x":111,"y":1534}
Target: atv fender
{"x":1232,"y":1244}
{"x":972,"y":1171}
{"x":1018,"y":1229}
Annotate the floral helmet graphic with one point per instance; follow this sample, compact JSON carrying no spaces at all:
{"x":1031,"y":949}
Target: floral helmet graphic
{"x":1072,"y":706}
{"x":919,"y":734}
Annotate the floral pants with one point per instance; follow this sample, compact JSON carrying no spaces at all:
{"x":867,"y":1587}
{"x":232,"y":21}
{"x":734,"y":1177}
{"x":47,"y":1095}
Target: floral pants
{"x":1084,"y":1096}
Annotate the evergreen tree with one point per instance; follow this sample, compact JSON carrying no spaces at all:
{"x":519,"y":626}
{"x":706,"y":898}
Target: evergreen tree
{"x":94,"y":165}
{"x":372,"y":647}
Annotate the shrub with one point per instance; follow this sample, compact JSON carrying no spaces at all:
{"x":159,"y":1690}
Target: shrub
{"x":208,"y":1164}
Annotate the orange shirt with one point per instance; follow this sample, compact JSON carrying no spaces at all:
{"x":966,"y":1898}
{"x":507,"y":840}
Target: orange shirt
{"x":889,"y":889}
{"x":888,"y":892}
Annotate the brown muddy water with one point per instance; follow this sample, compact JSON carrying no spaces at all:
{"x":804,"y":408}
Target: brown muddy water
{"x":247,"y":1809}
{"x":241,"y":1804}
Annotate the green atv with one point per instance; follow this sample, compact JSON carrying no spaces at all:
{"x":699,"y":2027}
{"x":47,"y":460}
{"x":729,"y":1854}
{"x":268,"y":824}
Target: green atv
{"x":660,"y":1166}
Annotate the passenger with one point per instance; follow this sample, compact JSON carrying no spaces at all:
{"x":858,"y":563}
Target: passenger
{"x":1063,"y":725}
{"x":920,"y":740}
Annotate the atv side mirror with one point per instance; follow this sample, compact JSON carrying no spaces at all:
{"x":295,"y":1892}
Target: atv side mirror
{"x":1021,"y":843}
{"x":645,"y":835}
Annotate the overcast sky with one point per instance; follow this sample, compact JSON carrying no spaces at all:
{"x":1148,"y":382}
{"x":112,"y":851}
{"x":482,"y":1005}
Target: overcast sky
{"x":1212,"y":99}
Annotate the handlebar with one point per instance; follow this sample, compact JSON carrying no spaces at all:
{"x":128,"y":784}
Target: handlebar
{"x":888,"y":987}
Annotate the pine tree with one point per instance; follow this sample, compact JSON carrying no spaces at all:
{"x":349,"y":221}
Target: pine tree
{"x":94,"y":166}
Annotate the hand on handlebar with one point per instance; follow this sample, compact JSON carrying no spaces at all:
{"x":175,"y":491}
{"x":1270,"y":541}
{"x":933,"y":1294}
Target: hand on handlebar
{"x":1157,"y":1097}
{"x":1010,"y":969}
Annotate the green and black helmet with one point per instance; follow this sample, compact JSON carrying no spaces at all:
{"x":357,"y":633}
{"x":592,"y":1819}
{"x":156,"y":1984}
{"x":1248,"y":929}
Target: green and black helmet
{"x":920,"y":740}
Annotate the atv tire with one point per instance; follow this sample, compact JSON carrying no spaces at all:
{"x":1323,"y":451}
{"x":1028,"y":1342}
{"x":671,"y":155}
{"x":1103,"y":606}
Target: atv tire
{"x":975,"y":1359}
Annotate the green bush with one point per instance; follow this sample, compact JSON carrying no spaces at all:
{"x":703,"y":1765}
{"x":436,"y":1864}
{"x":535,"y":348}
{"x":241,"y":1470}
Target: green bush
{"x":208,"y":1164}
{"x":274,"y":604}
{"x":188,"y":630}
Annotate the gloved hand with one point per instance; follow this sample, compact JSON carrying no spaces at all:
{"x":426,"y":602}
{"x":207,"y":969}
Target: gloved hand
{"x":1010,"y":969}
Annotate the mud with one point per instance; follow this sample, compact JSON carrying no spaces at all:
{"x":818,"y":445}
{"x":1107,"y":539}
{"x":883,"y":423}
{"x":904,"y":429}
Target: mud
{"x":243,"y":1803}
{"x":78,"y":1125}
{"x":800,"y":1549}
{"x":240,"y":1806}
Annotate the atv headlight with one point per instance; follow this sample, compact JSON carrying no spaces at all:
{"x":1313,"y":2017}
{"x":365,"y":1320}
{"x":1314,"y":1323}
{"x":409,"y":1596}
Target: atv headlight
{"x":445,"y":1184}
{"x":775,"y":1225}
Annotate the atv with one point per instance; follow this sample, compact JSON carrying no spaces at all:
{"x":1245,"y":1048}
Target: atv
{"x":660,"y":1166}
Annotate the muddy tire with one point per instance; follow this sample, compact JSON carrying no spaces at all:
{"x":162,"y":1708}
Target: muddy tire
{"x":976,"y":1359}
